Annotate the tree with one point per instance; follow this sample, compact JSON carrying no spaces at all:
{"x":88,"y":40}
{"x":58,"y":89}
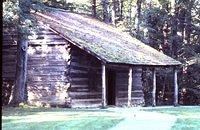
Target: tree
{"x":105,"y":5}
{"x":138,"y":15}
{"x":94,"y":10}
{"x":18,"y":92}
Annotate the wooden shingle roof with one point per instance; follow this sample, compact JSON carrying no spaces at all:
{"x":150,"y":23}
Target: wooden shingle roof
{"x":104,"y":41}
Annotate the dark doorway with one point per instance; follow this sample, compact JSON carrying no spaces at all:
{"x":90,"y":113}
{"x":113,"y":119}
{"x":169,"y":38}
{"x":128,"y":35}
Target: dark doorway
{"x":111,"y":89}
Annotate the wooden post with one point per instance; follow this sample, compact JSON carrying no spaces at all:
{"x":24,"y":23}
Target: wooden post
{"x":130,"y":82}
{"x":103,"y":85}
{"x":154,"y":88}
{"x":175,"y":88}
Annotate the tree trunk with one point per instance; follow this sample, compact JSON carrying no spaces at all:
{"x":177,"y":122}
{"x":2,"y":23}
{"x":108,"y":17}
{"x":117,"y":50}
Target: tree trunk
{"x":113,"y":15}
{"x":138,"y":15}
{"x":18,"y":92}
{"x":94,"y":10}
{"x":188,"y":20}
{"x":121,"y":9}
{"x":174,"y":28}
{"x":105,"y":11}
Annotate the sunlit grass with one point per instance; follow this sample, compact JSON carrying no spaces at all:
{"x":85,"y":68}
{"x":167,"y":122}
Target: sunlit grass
{"x":188,"y":118}
{"x":57,"y":119}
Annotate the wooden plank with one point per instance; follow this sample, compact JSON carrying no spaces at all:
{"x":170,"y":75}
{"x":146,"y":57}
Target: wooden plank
{"x":130,"y":83}
{"x":175,"y":88}
{"x":104,"y":102}
{"x":154,"y":88}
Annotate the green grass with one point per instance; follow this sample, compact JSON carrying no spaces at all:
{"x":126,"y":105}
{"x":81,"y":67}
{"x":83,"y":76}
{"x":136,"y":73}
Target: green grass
{"x":188,"y":118}
{"x":57,"y":119}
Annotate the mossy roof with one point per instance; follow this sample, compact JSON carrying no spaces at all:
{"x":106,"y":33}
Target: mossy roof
{"x":102,"y":40}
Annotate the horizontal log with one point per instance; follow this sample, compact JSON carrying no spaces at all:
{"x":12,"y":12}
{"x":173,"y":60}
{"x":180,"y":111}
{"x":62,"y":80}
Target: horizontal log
{"x":9,"y":77}
{"x":86,"y":95}
{"x":8,"y":70}
{"x":126,"y":99}
{"x":86,"y":104}
{"x":43,"y":59}
{"x":9,"y":48}
{"x":48,"y":40}
{"x":45,"y":33}
{"x":133,"y":94}
{"x":8,"y":74}
{"x":52,"y":83}
{"x":77,"y":101}
{"x":45,"y":78}
{"x":79,"y":79}
{"x":83,"y":82}
{"x":79,"y":86}
{"x":44,"y":36}
{"x":78,"y":71}
{"x":50,"y":68}
{"x":10,"y":37}
{"x":46,"y":73}
{"x":9,"y":43}
{"x":9,"y":56}
{"x":47,"y":64}
{"x":78,"y":75}
{"x":79,"y":89}
{"x":6,"y":53}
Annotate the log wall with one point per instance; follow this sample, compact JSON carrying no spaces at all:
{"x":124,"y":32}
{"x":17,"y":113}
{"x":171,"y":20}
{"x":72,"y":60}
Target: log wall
{"x":137,"y":96}
{"x":9,"y":54}
{"x":48,"y":69}
{"x":85,"y":73}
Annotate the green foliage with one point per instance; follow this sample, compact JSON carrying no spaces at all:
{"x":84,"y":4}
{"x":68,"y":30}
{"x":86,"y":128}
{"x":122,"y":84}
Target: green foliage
{"x":11,"y":12}
{"x":17,"y":13}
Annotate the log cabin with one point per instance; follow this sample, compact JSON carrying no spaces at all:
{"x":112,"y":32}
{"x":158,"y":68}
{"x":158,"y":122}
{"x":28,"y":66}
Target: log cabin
{"x":78,"y":61}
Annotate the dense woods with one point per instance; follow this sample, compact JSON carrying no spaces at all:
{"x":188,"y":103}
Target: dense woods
{"x":170,"y":26}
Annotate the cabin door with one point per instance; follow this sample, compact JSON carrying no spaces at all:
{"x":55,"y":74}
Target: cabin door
{"x":111,"y":89}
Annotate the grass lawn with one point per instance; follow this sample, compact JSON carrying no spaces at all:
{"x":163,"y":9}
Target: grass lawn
{"x":57,"y":119}
{"x":188,"y":117}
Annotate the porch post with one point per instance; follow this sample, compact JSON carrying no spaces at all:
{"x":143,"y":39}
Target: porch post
{"x":130,"y":82}
{"x":103,"y":85}
{"x":175,"y":88}
{"x":154,"y":88}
